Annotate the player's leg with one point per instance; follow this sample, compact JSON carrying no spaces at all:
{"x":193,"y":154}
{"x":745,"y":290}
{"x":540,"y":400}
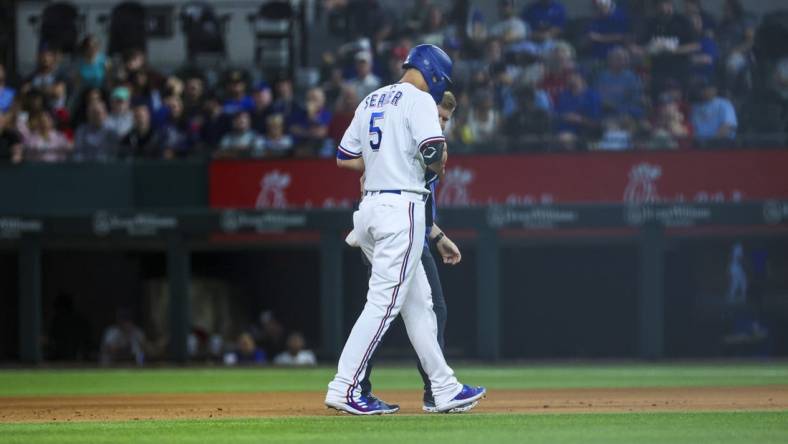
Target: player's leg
{"x":441,"y":314}
{"x":422,"y":328}
{"x":390,"y":231}
{"x":366,"y":387}
{"x":366,"y":382}
{"x":440,"y":309}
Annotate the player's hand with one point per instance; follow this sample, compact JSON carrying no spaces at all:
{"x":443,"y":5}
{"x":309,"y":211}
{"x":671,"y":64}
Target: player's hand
{"x":449,"y":252}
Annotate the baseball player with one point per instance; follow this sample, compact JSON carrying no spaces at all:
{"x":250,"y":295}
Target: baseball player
{"x":449,"y":253}
{"x":394,"y":137}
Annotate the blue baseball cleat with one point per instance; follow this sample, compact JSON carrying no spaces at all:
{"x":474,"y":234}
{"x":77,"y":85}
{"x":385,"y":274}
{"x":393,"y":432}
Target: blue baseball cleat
{"x":429,"y":407}
{"x":365,"y":405}
{"x":388,"y":408}
{"x":464,"y":401}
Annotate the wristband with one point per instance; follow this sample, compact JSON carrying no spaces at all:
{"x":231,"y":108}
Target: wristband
{"x":439,"y":237}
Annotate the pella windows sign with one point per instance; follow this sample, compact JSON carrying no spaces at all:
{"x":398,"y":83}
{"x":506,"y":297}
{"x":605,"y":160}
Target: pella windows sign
{"x":260,"y":222}
{"x":678,"y":215}
{"x":140,"y":224}
{"x":16,"y":227}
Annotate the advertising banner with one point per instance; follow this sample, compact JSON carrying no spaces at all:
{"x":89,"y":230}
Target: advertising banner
{"x":633,"y":177}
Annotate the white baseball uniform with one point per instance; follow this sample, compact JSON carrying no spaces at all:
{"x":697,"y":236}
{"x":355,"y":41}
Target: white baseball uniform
{"x":388,"y":129}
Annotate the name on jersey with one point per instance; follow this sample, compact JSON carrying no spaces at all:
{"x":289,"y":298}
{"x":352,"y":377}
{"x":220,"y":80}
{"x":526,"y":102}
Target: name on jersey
{"x":382,"y":99}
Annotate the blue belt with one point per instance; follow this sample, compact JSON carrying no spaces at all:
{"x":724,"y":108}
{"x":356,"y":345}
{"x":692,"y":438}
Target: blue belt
{"x":369,"y":193}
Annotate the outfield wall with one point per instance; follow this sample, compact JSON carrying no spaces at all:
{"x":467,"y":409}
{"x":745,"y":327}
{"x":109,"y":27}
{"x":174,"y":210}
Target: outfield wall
{"x":537,"y":281}
{"x":558,"y":281}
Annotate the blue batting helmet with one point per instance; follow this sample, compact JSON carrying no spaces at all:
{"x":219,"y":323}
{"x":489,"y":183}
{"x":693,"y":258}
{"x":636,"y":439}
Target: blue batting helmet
{"x":435,"y":65}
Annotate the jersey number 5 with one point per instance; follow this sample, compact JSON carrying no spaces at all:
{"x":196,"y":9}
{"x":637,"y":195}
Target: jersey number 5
{"x":375,"y":130}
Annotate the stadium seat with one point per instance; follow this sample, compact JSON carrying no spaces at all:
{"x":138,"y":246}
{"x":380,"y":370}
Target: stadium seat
{"x":127,"y":27}
{"x":273,"y":28}
{"x":204,"y":30}
{"x":60,"y":25}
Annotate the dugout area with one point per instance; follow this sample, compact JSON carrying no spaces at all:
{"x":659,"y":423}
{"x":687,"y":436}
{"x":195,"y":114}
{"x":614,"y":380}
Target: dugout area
{"x":561,"y":297}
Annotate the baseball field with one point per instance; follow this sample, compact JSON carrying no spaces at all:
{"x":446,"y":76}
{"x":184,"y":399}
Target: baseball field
{"x":592,"y":403}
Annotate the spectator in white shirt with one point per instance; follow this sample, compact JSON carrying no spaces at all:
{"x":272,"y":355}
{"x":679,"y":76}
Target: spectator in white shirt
{"x":296,"y":353}
{"x":511,"y":28}
{"x":275,"y":143}
{"x":242,"y":138}
{"x":123,"y":341}
{"x":42,"y":141}
{"x":365,"y":81}
{"x":120,"y":119}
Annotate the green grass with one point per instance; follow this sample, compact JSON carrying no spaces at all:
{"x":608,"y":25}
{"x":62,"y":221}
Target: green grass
{"x":92,"y":382}
{"x":674,"y":428}
{"x":640,"y":428}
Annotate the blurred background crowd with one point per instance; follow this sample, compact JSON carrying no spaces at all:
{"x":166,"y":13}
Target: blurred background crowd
{"x":637,"y":74}
{"x":147,"y":93}
{"x":69,"y":335}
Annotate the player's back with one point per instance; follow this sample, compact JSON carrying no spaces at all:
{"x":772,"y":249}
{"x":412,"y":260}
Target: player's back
{"x":388,"y":128}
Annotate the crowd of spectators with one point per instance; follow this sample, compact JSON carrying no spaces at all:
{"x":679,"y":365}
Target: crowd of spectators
{"x":92,"y":110}
{"x":639,"y":74}
{"x":265,"y":342}
{"x":653,"y":77}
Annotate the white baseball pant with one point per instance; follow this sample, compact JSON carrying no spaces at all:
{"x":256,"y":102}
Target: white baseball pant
{"x":390,"y":230}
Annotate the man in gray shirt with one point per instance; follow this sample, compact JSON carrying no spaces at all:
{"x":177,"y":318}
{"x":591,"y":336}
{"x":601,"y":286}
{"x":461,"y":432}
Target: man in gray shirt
{"x":95,"y":140}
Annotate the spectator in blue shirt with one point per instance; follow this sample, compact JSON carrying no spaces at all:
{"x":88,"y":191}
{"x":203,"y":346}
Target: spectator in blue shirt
{"x":704,"y":61}
{"x":537,"y":46}
{"x":578,"y":112}
{"x":171,"y":129}
{"x":6,"y":94}
{"x":92,"y":66}
{"x":714,"y":118}
{"x":237,"y":98}
{"x":285,"y":102}
{"x":619,"y":88}
{"x":310,"y":125}
{"x":542,"y":12}
{"x":503,"y":89}
{"x":246,"y":352}
{"x":506,"y":93}
{"x":610,"y":28}
{"x":263,"y":106}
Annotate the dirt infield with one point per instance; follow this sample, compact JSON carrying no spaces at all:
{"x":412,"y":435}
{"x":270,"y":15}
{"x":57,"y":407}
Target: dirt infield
{"x":255,"y":405}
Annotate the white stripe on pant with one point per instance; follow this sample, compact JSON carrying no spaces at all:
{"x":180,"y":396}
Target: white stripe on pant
{"x":389,"y":229}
